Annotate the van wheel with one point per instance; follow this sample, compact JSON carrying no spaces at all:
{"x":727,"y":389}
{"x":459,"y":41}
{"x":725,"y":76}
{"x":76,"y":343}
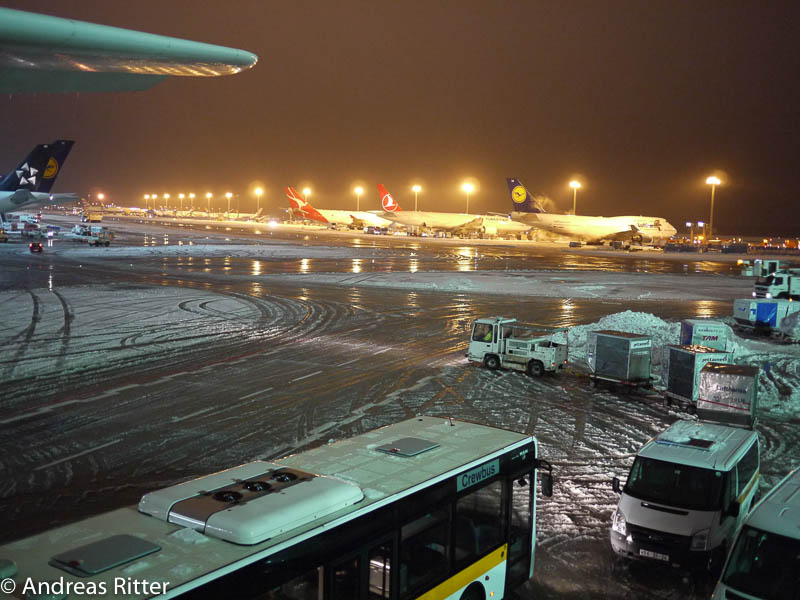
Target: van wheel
{"x":492,"y":362}
{"x":474,"y":591}
{"x":535,"y":368}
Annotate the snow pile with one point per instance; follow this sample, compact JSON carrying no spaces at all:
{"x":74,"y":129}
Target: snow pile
{"x":662,"y":332}
{"x":790,"y":326}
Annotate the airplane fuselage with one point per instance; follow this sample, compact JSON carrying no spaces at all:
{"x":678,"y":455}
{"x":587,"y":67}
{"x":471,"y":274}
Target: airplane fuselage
{"x":586,"y":228}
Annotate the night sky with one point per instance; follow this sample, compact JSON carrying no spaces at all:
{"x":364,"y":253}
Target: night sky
{"x":640,"y":100}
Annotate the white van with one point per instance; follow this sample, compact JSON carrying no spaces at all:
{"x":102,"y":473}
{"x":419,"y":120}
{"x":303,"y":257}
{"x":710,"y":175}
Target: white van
{"x":686,"y":495}
{"x":765,"y":561}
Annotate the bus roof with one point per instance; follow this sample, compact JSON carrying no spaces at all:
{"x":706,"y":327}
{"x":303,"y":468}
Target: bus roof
{"x":699,"y":444}
{"x":188,"y":558}
{"x":779,"y":511}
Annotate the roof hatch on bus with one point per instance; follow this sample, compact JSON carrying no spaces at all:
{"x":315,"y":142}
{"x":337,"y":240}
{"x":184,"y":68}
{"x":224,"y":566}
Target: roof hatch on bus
{"x":407,"y":446}
{"x":251,"y":503}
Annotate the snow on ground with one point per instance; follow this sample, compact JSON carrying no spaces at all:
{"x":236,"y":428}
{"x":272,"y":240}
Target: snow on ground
{"x":276,"y":249}
{"x":778,"y":392}
{"x":559,"y":284}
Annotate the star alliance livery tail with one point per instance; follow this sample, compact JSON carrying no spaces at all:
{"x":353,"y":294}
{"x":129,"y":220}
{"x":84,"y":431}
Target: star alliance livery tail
{"x":58,"y":154}
{"x":29,"y":172}
{"x":521,"y":199}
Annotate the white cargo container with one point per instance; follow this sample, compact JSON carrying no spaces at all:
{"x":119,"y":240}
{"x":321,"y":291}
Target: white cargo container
{"x":680,"y":370}
{"x":728,"y":393}
{"x":704,"y":332}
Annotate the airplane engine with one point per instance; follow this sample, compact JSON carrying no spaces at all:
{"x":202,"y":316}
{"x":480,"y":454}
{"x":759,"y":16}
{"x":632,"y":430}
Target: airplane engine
{"x":490,"y":229}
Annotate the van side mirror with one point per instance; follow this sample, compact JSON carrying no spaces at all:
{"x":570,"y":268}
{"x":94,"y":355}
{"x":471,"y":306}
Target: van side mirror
{"x":615,"y":485}
{"x":547,"y":484}
{"x":733,"y":509}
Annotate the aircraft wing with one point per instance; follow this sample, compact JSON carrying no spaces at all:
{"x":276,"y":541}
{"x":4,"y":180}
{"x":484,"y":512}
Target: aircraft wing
{"x":472,"y":225}
{"x":41,"y":53}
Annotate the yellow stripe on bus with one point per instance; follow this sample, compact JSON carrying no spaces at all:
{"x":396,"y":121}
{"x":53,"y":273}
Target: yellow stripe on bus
{"x":471,"y":573}
{"x":750,"y":485}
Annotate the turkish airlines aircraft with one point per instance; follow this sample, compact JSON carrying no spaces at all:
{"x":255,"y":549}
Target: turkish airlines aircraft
{"x":593,"y":229}
{"x":443,"y":221}
{"x":357,"y":219}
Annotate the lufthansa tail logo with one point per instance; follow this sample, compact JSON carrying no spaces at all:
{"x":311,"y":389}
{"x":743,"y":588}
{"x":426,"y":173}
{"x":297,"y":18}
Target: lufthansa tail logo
{"x":519,"y":194}
{"x":51,"y":169}
{"x":388,"y":203}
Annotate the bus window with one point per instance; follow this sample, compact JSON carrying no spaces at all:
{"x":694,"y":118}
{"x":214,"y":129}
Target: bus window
{"x":479,"y":522}
{"x":423,"y":551}
{"x":380,"y":570}
{"x":345,"y":579}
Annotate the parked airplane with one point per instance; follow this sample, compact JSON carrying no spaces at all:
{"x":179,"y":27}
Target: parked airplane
{"x":593,"y":229}
{"x":452,"y":222}
{"x":29,"y":184}
{"x":357,"y":219}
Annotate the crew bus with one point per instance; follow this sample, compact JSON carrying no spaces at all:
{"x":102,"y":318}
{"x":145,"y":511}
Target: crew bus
{"x":429,"y":508}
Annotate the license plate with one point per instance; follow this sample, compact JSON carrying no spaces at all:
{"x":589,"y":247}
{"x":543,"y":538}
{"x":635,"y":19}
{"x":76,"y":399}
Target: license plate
{"x":656,"y":555}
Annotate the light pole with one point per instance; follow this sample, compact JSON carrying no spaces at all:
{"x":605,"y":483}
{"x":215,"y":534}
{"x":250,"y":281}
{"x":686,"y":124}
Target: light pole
{"x":468,"y":189}
{"x":154,"y":197}
{"x":713,"y":182}
{"x":228,"y":195}
{"x":259,"y":191}
{"x":575,"y":185}
{"x":416,"y":189}
{"x":166,"y":200}
{"x":690,"y":225}
{"x":181,"y":196}
{"x":359,"y":190}
{"x":702,"y":226}
{"x":146,"y":201}
{"x":208,"y":202}
{"x":306,"y":193}
{"x":191,"y":200}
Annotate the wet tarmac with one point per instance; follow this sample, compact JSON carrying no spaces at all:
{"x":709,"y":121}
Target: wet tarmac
{"x":126,"y":375}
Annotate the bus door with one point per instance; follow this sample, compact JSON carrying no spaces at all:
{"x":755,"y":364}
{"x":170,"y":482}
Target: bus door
{"x":363,"y":575}
{"x":521,"y":527}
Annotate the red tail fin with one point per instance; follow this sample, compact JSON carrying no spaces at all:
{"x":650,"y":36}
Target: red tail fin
{"x":387,"y":200}
{"x":303,"y":207}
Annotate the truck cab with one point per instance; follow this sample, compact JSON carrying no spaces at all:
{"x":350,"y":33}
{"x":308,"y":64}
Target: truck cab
{"x":784,"y":283}
{"x":501,"y":342}
{"x":765,"y":560}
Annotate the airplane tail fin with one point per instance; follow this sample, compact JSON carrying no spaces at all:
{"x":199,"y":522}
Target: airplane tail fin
{"x":297,"y":204}
{"x":58,"y":154}
{"x":387,"y":200}
{"x":28,"y":173}
{"x":521,"y":198}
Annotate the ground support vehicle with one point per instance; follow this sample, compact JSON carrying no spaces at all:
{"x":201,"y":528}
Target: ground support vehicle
{"x":764,"y":562}
{"x":783,"y":283}
{"x":426,"y":508}
{"x":35,"y":247}
{"x":500,"y":342}
{"x":3,"y":236}
{"x":687,"y":493}
{"x":94,"y":235}
{"x":762,"y":315}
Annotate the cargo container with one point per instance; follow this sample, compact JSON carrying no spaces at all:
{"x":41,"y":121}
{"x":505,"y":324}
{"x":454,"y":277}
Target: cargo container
{"x":619,"y":356}
{"x":762,"y":314}
{"x":680,"y":370}
{"x":704,"y":332}
{"x":728,"y":393}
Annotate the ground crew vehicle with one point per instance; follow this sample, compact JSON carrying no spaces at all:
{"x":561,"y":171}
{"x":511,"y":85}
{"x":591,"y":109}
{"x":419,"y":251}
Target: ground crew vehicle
{"x":784,"y":283}
{"x":688,"y":491}
{"x":35,"y":246}
{"x":765,"y":560}
{"x":456,"y":519}
{"x":502,"y":342}
{"x":94,"y":235}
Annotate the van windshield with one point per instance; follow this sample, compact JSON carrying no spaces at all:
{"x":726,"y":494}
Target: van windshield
{"x":681,"y":486}
{"x":764,"y":564}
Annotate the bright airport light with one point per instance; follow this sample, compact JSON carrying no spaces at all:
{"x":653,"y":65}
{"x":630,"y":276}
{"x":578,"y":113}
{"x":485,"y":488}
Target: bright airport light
{"x":416,"y":189}
{"x":358,"y":190}
{"x":228,"y":195}
{"x":306,"y":193}
{"x":468,"y":189}
{"x":259,"y":191}
{"x":100,"y":196}
{"x":713,"y":182}
{"x":575,"y":185}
